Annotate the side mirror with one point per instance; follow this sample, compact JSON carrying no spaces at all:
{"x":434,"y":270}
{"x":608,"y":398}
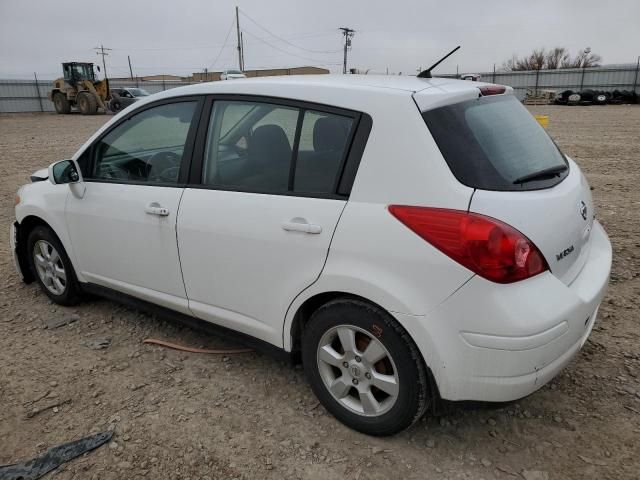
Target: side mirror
{"x":64,"y":171}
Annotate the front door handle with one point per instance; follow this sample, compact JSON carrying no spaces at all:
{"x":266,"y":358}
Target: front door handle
{"x":301,"y":225}
{"x":154,"y":208}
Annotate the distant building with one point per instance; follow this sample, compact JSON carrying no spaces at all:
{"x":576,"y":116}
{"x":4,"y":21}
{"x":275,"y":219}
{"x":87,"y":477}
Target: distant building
{"x":160,"y":78}
{"x":214,"y":76}
{"x":154,"y":78}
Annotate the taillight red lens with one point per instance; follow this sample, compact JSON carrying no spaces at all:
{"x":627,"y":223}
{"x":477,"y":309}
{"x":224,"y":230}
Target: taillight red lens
{"x":492,"y":90}
{"x":484,"y":245}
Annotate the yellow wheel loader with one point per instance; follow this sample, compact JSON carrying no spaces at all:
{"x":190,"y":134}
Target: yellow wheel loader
{"x":79,"y":88}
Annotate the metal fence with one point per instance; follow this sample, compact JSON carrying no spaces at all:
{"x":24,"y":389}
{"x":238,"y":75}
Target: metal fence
{"x":597,"y":78}
{"x":31,"y":95}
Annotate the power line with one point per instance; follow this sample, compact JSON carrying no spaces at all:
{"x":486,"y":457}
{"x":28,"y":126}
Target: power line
{"x":348,"y":35}
{"x":224,"y":45}
{"x":314,"y":60}
{"x":284,"y":40}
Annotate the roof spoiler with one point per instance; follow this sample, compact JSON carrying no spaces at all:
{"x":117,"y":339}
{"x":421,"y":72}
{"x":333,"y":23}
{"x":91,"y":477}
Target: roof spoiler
{"x":427,"y":73}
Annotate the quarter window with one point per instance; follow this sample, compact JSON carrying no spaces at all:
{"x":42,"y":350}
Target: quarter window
{"x":149,"y":147}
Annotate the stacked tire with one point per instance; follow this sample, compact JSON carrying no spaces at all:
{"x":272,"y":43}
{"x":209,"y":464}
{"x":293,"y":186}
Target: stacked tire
{"x":596,"y":97}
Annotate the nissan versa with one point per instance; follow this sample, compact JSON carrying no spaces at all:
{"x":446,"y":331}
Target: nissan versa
{"x":408,"y":238}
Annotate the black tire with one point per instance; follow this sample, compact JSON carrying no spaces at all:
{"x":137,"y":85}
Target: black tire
{"x":412,"y":399}
{"x":87,"y":103}
{"x":600,"y":98}
{"x":61,"y":103}
{"x":574,"y":99}
{"x":115,"y":105}
{"x":71,"y":294}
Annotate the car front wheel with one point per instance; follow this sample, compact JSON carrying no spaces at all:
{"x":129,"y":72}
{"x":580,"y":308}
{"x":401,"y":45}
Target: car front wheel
{"x":364,"y":368}
{"x":52,"y":266}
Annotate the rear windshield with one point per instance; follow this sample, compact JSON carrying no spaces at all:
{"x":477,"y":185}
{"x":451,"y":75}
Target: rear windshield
{"x":494,"y":143}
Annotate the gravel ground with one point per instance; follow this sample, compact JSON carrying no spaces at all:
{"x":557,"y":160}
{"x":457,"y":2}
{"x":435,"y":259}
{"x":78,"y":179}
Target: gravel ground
{"x":178,"y":415}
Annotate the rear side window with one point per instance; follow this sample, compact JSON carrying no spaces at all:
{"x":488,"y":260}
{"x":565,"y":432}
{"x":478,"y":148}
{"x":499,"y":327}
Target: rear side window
{"x":494,"y":143}
{"x":269,"y":148}
{"x":321,"y":152}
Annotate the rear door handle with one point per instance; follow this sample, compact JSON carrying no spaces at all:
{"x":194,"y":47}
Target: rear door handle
{"x":154,"y":208}
{"x":301,"y":225}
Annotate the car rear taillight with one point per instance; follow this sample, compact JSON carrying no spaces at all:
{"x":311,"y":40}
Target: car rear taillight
{"x":492,"y":90}
{"x":484,"y":245}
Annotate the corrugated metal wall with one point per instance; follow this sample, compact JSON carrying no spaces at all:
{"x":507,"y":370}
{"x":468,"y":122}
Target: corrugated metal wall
{"x":24,"y":96}
{"x":600,"y":78}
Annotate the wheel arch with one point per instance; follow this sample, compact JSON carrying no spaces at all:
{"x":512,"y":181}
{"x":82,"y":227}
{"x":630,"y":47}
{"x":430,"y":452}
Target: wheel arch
{"x":305,"y":310}
{"x":307,"y":306}
{"x":27,"y":224}
{"x":31,"y":217}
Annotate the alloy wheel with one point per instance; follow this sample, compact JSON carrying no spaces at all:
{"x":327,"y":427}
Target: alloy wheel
{"x":49,"y":266}
{"x":357,"y":370}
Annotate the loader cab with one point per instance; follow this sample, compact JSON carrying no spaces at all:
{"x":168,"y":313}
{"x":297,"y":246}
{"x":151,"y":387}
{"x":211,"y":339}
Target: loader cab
{"x":75,"y":72}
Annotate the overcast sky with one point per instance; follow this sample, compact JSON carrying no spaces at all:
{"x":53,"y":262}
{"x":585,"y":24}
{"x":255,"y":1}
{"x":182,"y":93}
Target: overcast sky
{"x":184,"y":36}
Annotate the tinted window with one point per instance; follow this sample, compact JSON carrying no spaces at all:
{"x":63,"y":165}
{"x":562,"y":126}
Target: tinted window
{"x":493,"y":143}
{"x":322,"y":149}
{"x":146,"y":148}
{"x":250,"y":146}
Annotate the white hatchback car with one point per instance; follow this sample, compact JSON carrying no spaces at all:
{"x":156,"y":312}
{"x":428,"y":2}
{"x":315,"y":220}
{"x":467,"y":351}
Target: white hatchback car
{"x":408,"y":238}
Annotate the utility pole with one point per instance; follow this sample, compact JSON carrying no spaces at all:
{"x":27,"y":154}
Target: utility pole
{"x":348,"y":35}
{"x":635,"y":79}
{"x":242,"y":50}
{"x":239,"y":41}
{"x":130,"y":70}
{"x":102,"y":51}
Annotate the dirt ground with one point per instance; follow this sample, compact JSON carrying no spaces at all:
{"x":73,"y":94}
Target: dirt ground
{"x":178,"y":415}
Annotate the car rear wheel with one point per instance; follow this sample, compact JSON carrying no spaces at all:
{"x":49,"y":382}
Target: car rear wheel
{"x":52,"y":267}
{"x":364,"y":368}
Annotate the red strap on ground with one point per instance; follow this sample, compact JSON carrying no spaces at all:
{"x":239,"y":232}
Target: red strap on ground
{"x":183,"y":348}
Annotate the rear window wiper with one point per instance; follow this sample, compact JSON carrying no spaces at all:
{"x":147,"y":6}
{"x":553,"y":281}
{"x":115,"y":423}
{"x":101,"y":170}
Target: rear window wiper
{"x":540,"y":174}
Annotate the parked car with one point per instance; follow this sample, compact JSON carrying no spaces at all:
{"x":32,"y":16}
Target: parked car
{"x":123,"y":97}
{"x":232,"y":75}
{"x":410,"y":239}
{"x":473,"y":77}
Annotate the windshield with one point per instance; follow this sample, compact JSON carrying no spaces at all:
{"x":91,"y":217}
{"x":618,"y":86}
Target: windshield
{"x":234,"y":72}
{"x":138,"y":92}
{"x":494,"y":143}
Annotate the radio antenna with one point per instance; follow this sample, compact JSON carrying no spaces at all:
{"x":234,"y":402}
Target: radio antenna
{"x":427,"y":73}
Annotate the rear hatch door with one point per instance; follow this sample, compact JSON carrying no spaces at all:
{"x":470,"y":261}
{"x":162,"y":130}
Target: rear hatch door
{"x":557,"y":220}
{"x":494,"y":145}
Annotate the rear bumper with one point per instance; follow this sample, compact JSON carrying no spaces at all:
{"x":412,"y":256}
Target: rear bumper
{"x":493,"y":342}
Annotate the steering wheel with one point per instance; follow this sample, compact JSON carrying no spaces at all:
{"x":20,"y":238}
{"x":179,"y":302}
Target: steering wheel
{"x":164,"y":167}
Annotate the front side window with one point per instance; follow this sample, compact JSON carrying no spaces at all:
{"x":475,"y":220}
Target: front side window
{"x":251,"y":146}
{"x":149,"y":147}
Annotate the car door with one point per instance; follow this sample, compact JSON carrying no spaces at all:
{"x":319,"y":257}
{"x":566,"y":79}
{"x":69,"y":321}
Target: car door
{"x":123,"y":229}
{"x":254,"y":230}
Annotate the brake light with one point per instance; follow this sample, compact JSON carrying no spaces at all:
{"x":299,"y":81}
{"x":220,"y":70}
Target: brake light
{"x":492,"y":90}
{"x":484,"y":245}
